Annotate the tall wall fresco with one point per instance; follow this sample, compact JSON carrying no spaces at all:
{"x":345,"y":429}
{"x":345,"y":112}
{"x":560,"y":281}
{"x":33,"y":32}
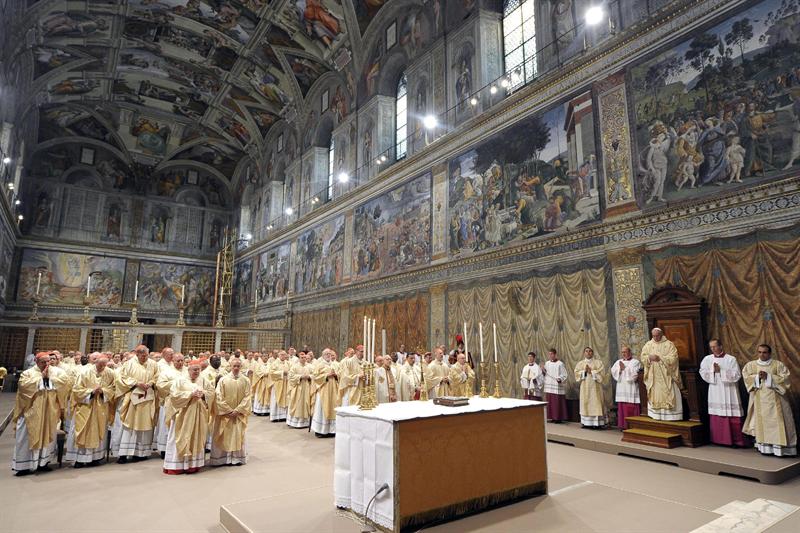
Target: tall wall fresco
{"x":720,"y":110}
{"x":534,"y":178}
{"x":161,"y":285}
{"x":319,"y":258}
{"x":65,"y":276}
{"x":393,"y":232}
{"x":272,"y":276}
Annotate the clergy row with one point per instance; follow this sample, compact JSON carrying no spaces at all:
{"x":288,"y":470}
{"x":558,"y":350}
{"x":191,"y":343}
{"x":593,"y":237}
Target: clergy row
{"x":139,"y":407}
{"x":769,"y":417}
{"x":305,"y":392}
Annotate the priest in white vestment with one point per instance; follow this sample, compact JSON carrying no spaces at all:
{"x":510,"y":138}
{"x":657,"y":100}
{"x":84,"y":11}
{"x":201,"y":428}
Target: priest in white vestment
{"x":37,"y":412}
{"x":591,"y":375}
{"x":92,"y":396}
{"x":385,"y":382}
{"x":555,"y":387}
{"x":138,"y":412}
{"x":187,"y":417}
{"x":232,"y":406}
{"x":437,"y":377}
{"x":721,"y":371}
{"x":167,"y":374}
{"x":410,"y":379}
{"x":769,"y":413}
{"x":279,"y":397}
{"x":326,"y":395}
{"x":531,"y":379}
{"x":662,"y":378}
{"x":625,"y":372}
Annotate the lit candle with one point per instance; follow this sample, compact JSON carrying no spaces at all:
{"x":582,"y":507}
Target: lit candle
{"x":466,"y":346}
{"x":480,"y":338}
{"x":136,"y":291}
{"x":183,"y":293}
{"x":88,"y":285}
{"x":39,"y":284}
{"x":383,"y":342}
{"x":494,"y":335}
{"x":365,"y":336}
{"x":255,"y":302}
{"x":372,"y":340}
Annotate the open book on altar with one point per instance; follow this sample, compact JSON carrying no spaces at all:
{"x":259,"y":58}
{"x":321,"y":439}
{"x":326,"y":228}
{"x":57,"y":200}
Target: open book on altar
{"x":138,"y":396}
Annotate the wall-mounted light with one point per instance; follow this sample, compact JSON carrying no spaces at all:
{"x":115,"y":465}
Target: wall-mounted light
{"x":248,"y":236}
{"x":383,"y":158}
{"x":20,"y":218}
{"x":493,"y":89}
{"x":504,"y":83}
{"x":430,"y":122}
{"x":473,"y":101}
{"x":594,"y":15}
{"x":343,"y":177}
{"x":6,"y":160}
{"x":289,"y":211}
{"x":11,"y":186}
{"x":17,"y":202}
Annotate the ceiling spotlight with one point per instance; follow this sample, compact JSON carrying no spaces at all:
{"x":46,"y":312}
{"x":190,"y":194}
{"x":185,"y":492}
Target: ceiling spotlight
{"x":6,"y":160}
{"x":343,"y":177}
{"x":493,"y":89}
{"x":504,"y":83}
{"x":594,"y":15}
{"x":473,"y":101}
{"x":430,"y":122}
{"x":289,"y":210}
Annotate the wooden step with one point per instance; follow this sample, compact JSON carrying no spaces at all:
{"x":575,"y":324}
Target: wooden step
{"x":652,"y":438}
{"x":692,"y":433}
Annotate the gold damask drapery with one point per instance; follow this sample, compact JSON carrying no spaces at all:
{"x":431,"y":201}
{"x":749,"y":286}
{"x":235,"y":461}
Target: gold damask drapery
{"x":405,"y":321}
{"x":318,"y":329}
{"x":753,"y":295}
{"x":564,"y":311}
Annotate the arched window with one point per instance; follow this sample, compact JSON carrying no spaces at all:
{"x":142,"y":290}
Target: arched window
{"x":401,"y":118}
{"x":331,"y":150}
{"x":519,"y":41}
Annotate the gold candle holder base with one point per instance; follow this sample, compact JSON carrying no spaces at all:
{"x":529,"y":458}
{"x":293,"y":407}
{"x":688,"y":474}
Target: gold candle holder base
{"x":368,"y":400}
{"x":497,"y":392}
{"x":181,"y":320}
{"x":220,"y":323}
{"x":86,"y":316}
{"x":484,"y":392}
{"x":134,"y":320}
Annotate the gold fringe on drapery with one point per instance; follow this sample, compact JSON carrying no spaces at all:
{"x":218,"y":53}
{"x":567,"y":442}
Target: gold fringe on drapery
{"x":564,"y":311}
{"x":753,"y":295}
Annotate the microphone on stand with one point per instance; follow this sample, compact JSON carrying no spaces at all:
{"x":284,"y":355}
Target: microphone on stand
{"x":368,"y":528}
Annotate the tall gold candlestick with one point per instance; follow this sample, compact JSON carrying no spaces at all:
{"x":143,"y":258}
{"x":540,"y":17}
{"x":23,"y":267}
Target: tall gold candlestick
{"x":497,"y":392}
{"x":86,"y":316}
{"x":35,"y":311}
{"x":181,"y":320}
{"x":484,"y":392}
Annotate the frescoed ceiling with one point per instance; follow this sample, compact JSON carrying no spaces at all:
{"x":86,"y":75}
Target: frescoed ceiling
{"x":151,"y":78}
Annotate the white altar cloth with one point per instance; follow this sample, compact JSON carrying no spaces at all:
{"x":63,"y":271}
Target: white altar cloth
{"x":364,"y":449}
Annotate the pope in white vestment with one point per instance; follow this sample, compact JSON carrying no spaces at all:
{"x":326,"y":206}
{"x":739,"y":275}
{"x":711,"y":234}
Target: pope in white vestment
{"x":662,"y":378}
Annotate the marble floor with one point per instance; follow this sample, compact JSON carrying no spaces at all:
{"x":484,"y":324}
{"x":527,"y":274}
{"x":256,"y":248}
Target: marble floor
{"x":287,"y":487}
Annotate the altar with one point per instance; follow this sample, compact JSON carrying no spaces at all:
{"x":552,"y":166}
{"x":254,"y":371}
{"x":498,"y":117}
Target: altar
{"x":440,"y":463}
